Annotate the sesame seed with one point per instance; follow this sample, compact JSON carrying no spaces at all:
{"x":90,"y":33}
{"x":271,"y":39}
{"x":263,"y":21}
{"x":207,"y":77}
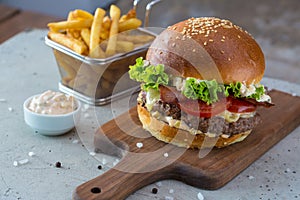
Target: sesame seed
{"x":75,"y":141}
{"x":222,"y":40}
{"x":173,"y":45}
{"x":194,"y":50}
{"x":200,"y":196}
{"x":205,"y":43}
{"x":227,"y":26}
{"x":92,"y":153}
{"x":85,"y":107}
{"x":115,"y":162}
{"x":210,"y":40}
{"x":166,"y":155}
{"x":229,"y":59}
{"x":104,"y":161}
{"x":31,"y":153}
{"x":239,"y":36}
{"x":222,"y":52}
{"x":15,"y":163}
{"x":139,"y":145}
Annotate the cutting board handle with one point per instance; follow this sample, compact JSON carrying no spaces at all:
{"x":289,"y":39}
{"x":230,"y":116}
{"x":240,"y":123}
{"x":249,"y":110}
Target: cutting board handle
{"x":115,"y":184}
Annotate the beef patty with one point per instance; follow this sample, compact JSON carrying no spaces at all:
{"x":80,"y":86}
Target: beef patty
{"x":215,"y":124}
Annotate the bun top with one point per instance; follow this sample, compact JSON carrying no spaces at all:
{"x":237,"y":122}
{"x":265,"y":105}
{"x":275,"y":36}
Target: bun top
{"x":208,"y":48}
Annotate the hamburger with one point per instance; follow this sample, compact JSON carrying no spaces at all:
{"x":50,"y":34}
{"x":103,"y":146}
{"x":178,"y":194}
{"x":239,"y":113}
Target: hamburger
{"x":200,"y":84}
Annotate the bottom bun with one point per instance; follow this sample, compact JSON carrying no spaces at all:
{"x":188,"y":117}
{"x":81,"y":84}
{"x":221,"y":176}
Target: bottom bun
{"x":182,"y":138}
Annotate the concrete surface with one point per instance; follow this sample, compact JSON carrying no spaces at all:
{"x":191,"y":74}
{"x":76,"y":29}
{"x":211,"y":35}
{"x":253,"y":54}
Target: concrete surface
{"x":27,"y":67}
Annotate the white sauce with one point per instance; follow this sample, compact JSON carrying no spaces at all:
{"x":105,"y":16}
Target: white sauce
{"x":52,"y":103}
{"x":264,"y":98}
{"x":179,"y":83}
{"x":251,"y":89}
{"x":247,"y":90}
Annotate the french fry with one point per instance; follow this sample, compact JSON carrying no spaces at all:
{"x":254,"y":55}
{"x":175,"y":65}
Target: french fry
{"x":83,"y":32}
{"x":86,"y":34}
{"x":124,"y":46}
{"x":72,"y":32}
{"x":105,"y":28}
{"x":70,"y":83}
{"x":130,"y":14}
{"x":76,"y":45}
{"x":95,"y":51}
{"x":115,"y":14}
{"x":78,"y":13}
{"x":67,"y":68}
{"x":143,"y":39}
{"x":106,"y":23}
{"x":121,"y":46}
{"x":66,"y":80}
{"x":72,"y":24}
{"x":104,"y":35}
{"x":129,"y":24}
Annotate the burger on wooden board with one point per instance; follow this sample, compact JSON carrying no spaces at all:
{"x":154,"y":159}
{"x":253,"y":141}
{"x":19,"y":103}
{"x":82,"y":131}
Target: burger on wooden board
{"x":200,"y":84}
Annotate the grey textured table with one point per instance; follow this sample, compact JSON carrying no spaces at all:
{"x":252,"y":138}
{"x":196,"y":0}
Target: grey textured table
{"x":27,"y":67}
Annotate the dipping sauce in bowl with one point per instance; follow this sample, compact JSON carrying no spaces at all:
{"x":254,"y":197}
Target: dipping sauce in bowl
{"x":51,"y":113}
{"x":52,"y":103}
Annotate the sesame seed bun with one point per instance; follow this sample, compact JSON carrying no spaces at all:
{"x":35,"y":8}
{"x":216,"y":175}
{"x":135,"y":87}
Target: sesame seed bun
{"x":209,"y":48}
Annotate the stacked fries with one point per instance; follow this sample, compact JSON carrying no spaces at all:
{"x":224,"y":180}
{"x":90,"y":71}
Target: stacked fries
{"x":83,"y":32}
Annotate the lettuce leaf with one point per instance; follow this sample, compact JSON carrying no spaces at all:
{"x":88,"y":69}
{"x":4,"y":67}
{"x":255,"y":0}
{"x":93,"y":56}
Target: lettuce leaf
{"x":209,"y":91}
{"x":150,"y":75}
{"x":234,"y":89}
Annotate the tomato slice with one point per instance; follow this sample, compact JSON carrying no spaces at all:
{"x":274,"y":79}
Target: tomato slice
{"x":240,"y":106}
{"x":201,"y":109}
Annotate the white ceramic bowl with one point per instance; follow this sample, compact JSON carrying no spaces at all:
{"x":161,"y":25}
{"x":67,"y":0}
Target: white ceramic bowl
{"x":50,"y":125}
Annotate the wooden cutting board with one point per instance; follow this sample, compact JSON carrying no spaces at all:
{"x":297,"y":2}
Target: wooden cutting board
{"x":157,"y":161}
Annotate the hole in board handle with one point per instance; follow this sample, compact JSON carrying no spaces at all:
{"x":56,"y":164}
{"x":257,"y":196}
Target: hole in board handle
{"x":96,"y":190}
